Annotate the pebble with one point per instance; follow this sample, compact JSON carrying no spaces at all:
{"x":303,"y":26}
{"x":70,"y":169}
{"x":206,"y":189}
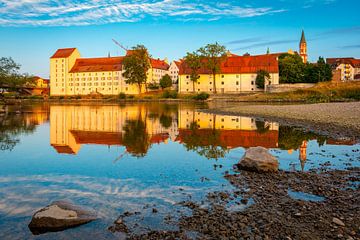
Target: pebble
{"x":338,"y":221}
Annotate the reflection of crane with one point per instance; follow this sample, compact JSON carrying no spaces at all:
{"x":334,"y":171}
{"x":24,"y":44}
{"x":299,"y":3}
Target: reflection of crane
{"x":121,"y":156}
{"x":117,"y":43}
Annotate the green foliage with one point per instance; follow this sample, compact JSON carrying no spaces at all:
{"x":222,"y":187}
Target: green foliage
{"x":153,"y":86}
{"x":136,"y":139}
{"x":136,"y":66}
{"x":319,"y":72}
{"x":122,"y":95}
{"x":201,"y":96}
{"x":212,"y":56}
{"x":262,"y":127}
{"x":165,"y":81}
{"x":10,"y":76}
{"x":261,"y":78}
{"x":193,"y":61}
{"x":170,"y":94}
{"x":292,"y":138}
{"x":165,"y":120}
{"x":291,"y":68}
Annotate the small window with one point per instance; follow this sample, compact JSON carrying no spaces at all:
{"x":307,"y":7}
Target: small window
{"x":198,"y":82}
{"x":210,"y":83}
{"x":252,"y":89}
{"x":252,"y":82}
{"x":222,"y":83}
{"x":237,"y":82}
{"x":198,"y":90}
{"x":222,"y":76}
{"x":237,"y":76}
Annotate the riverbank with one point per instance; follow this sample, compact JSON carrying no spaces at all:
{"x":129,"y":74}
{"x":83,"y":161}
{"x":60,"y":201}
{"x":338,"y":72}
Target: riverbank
{"x":335,"y":119}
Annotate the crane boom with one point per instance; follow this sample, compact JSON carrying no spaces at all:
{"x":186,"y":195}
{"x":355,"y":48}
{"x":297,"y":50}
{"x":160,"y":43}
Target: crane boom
{"x":117,"y":43}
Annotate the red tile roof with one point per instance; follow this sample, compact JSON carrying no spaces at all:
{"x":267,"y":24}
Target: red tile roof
{"x":159,"y":64}
{"x":348,"y":60}
{"x":63,"y":53}
{"x":178,"y":63}
{"x":63,"y":149}
{"x":97,"y":64}
{"x":241,"y":64}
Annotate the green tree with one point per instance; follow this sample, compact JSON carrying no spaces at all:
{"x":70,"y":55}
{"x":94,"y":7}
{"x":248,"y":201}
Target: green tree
{"x":136,"y":139}
{"x":10,"y":75}
{"x":193,"y":61}
{"x":212,"y":56}
{"x":165,"y":81}
{"x":261,"y":78}
{"x":291,"y":68}
{"x":136,"y":66}
{"x":165,"y":120}
{"x":319,"y":72}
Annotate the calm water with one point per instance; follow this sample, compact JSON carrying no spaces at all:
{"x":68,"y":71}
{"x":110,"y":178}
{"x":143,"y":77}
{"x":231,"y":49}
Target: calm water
{"x":116,"y":158}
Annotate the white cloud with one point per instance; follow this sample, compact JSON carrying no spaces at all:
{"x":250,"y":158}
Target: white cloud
{"x":59,"y":13}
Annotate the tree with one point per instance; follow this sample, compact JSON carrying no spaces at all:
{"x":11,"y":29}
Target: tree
{"x":212,"y":56}
{"x":136,"y":66}
{"x":10,"y":76}
{"x":135,"y":138}
{"x":165,"y":81}
{"x":291,"y":68}
{"x":193,"y":61}
{"x":324,"y":70}
{"x":261,"y":78}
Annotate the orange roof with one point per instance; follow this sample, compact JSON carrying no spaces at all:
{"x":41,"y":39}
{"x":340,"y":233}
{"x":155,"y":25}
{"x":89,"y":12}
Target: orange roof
{"x":178,"y":63}
{"x":97,"y":64}
{"x":103,"y":138}
{"x":348,"y":60}
{"x":241,"y":64}
{"x":63,"y":53}
{"x":236,"y":138}
{"x":159,"y":64}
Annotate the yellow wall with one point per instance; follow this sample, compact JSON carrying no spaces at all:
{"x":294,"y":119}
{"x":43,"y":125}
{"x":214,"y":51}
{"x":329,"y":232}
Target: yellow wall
{"x":225,"y":83}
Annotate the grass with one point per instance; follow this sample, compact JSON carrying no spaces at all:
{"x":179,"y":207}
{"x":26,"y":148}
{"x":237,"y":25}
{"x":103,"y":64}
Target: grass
{"x":321,"y":92}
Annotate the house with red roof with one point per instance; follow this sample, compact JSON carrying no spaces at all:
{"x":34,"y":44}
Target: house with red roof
{"x":237,"y":74}
{"x":70,"y":74}
{"x":348,"y":68}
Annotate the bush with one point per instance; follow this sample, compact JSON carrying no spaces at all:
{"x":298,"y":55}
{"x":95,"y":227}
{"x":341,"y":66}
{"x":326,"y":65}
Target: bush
{"x":131,"y":97}
{"x":165,"y":81}
{"x":170,"y":94}
{"x":122,"y":96}
{"x":201,"y":96}
{"x":153,"y":86}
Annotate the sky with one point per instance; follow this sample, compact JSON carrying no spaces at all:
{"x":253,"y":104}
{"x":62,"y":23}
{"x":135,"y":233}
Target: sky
{"x":32,"y":30}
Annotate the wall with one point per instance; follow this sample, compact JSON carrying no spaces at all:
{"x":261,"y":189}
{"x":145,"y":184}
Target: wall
{"x":288,"y":87}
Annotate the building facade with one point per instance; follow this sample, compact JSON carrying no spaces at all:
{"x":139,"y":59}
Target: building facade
{"x":72,"y":75}
{"x":345,"y":69}
{"x":237,"y":74}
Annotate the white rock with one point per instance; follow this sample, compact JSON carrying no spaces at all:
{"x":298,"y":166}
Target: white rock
{"x":258,"y":159}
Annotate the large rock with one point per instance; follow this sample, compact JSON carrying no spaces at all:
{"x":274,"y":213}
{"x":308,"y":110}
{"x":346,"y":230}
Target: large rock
{"x":258,"y":159}
{"x":59,"y":216}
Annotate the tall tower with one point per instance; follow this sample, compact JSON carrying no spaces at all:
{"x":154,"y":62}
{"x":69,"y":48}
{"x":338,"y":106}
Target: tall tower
{"x":303,"y":47}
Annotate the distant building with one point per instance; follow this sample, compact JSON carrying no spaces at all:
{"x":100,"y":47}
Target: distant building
{"x":174,"y":71}
{"x":40,"y":86}
{"x":303,"y":48}
{"x":237,"y":74}
{"x":345,"y":69}
{"x":72,"y":75}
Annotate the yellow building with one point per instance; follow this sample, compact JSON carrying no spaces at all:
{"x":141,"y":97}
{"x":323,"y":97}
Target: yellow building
{"x":71,"y":75}
{"x":237,"y":74}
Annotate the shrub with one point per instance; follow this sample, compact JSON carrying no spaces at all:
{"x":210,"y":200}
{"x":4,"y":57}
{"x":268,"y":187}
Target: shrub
{"x":165,"y":81}
{"x":130,"y":96}
{"x":201,"y":96}
{"x":153,"y":86}
{"x":170,"y":94}
{"x":122,"y":96}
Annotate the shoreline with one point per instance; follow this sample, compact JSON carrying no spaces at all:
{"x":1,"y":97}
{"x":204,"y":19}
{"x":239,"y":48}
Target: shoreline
{"x":332,"y":119}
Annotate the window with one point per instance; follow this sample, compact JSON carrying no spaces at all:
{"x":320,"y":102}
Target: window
{"x":222,"y":76}
{"x":187,"y":76}
{"x":222,"y":83}
{"x":198,"y":82}
{"x":252,"y":82}
{"x":237,"y":76}
{"x":237,"y":82}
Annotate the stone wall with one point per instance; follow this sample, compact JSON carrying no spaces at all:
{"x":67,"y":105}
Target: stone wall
{"x":288,"y":87}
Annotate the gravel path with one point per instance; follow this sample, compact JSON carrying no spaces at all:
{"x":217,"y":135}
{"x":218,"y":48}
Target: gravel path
{"x":336,"y":118}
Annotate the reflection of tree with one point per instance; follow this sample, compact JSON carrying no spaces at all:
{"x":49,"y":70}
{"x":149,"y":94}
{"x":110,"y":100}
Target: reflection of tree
{"x":292,"y":138}
{"x":205,"y":142}
{"x":262,"y":127}
{"x":11,"y":126}
{"x":165,"y":120}
{"x":136,"y":139}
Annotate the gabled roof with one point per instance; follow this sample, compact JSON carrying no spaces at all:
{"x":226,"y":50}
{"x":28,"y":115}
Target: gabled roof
{"x":178,"y":63}
{"x":106,"y":64}
{"x":334,"y":62}
{"x":63,"y":53}
{"x":159,"y":64}
{"x":241,"y":64}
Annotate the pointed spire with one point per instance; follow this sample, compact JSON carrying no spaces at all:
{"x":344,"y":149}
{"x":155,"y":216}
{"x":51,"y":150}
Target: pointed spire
{"x":303,"y":40}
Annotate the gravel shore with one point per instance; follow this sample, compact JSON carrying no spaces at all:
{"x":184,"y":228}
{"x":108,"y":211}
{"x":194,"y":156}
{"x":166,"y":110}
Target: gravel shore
{"x":339,"y":119}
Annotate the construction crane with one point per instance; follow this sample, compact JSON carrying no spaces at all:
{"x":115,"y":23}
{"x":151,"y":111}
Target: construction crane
{"x":117,"y":43}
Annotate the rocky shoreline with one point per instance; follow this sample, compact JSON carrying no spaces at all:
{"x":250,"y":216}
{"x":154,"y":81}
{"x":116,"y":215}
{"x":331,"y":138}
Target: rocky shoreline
{"x":270,"y":211}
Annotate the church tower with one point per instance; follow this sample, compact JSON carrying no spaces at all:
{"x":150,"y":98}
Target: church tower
{"x":303,"y":47}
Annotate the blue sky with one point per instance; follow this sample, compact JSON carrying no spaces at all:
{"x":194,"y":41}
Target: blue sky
{"x":32,"y":30}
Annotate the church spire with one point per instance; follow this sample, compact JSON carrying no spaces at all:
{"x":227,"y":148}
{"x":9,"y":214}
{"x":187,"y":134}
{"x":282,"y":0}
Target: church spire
{"x":303,"y":40}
